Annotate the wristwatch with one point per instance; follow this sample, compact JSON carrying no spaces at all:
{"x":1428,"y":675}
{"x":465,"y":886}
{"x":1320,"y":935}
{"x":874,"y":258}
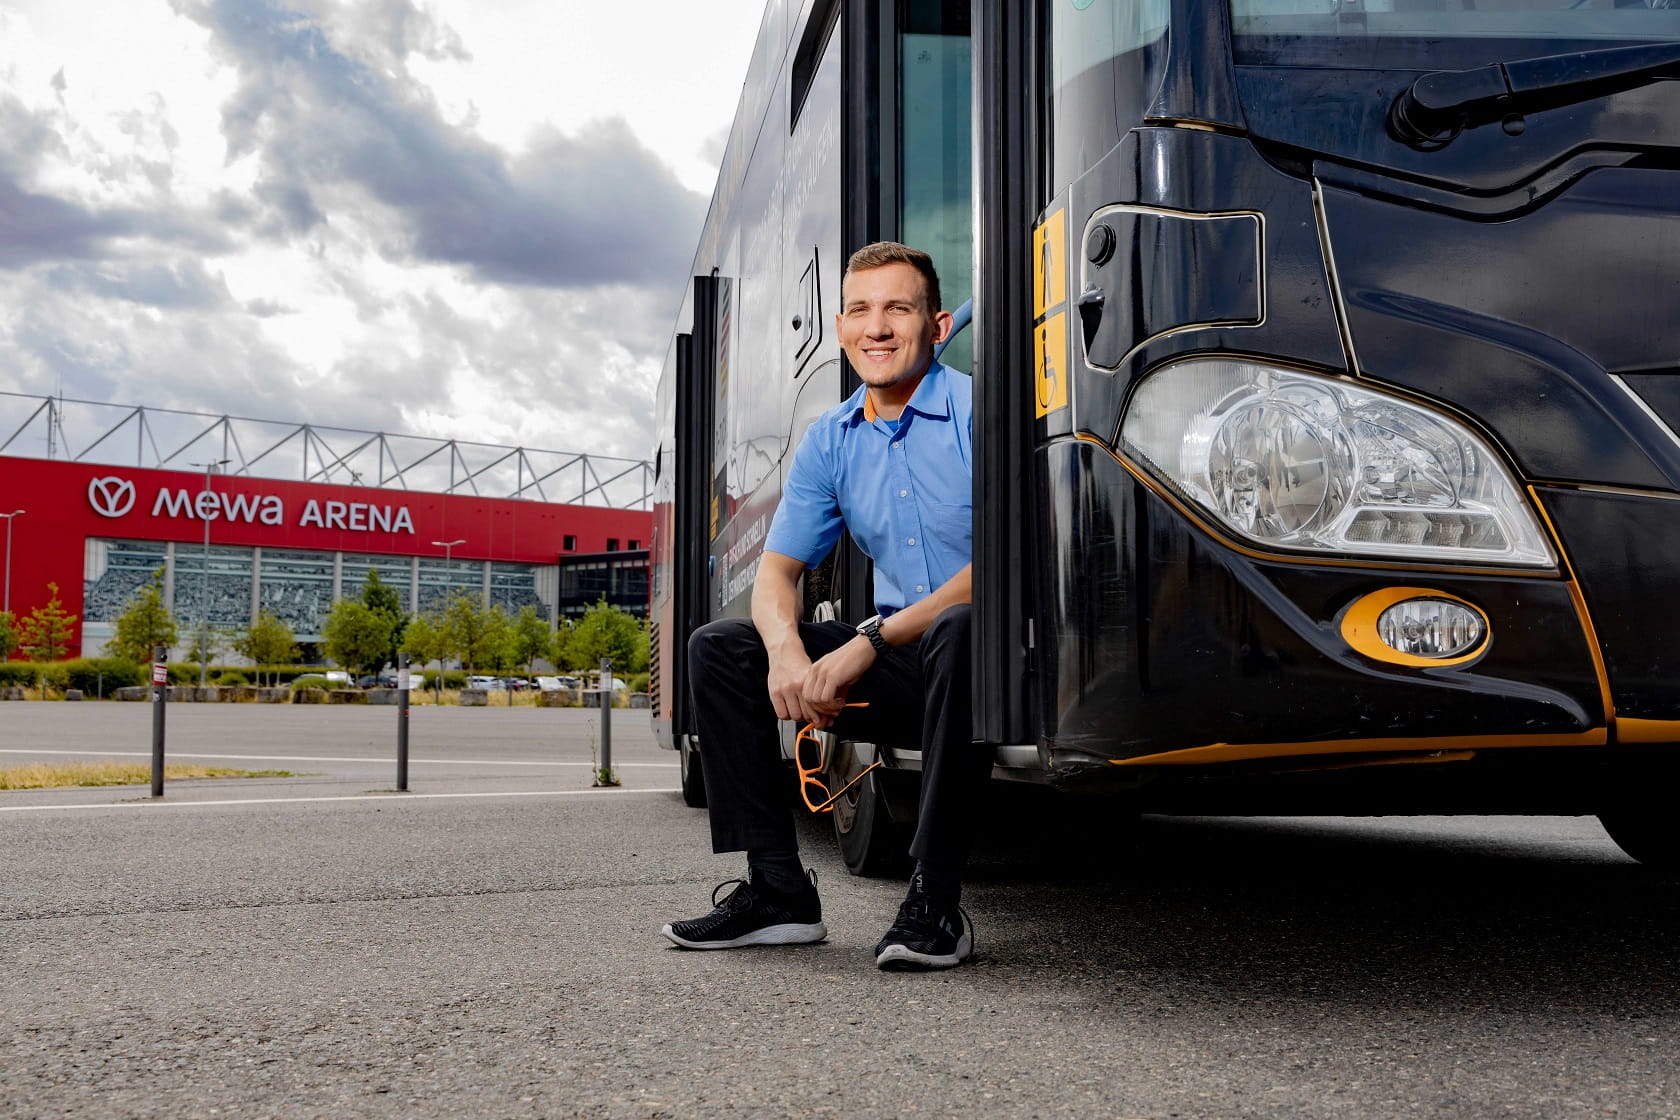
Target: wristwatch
{"x":871,"y":629}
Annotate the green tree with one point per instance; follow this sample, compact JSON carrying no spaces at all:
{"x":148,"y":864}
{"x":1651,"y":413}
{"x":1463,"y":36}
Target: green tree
{"x":47,"y":631}
{"x":605,"y":631}
{"x":267,"y":641}
{"x":479,"y":637}
{"x":9,"y":637}
{"x":532,"y":638}
{"x":208,"y":643}
{"x":382,"y":597}
{"x":425,"y":641}
{"x":357,"y":636}
{"x":146,"y":624}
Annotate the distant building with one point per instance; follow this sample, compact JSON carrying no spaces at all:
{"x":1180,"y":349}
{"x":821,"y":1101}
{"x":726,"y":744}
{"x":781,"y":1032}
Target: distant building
{"x":293,"y":547}
{"x":619,"y":577}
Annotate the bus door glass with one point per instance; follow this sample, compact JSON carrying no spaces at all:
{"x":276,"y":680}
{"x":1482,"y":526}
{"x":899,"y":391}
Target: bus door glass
{"x":934,"y":140}
{"x":1107,"y":58}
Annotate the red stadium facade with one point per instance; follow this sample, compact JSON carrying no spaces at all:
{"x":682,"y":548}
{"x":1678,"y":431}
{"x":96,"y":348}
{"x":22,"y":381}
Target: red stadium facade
{"x":99,"y":532}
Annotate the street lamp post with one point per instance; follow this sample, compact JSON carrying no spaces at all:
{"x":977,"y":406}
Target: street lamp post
{"x":204,"y":578}
{"x":448,"y":547}
{"x":7,"y":608}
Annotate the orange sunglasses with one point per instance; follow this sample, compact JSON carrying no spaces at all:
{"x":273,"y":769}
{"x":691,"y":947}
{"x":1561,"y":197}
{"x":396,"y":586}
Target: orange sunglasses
{"x":808,"y":774}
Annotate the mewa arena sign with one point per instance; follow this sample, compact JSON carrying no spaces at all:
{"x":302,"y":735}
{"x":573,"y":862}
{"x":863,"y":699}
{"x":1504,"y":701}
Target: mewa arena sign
{"x":114,"y":496}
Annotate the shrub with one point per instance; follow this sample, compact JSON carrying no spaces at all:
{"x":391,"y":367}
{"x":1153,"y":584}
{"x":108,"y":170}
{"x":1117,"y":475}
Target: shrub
{"x":638,"y":683}
{"x":285,"y":674}
{"x":231,"y":677}
{"x":93,"y":674}
{"x":311,"y":682}
{"x":183,"y":674}
{"x":18,"y":672}
{"x":28,"y":673}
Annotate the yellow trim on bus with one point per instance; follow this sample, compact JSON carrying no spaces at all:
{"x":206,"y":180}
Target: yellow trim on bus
{"x":1581,"y":611}
{"x":1647,"y":730}
{"x":1244,"y":752}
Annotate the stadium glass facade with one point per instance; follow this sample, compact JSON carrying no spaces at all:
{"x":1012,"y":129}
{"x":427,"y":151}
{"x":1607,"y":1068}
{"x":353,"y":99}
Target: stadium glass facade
{"x":297,"y":586}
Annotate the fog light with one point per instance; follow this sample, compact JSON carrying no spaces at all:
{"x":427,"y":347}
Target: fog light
{"x":1435,"y":628}
{"x":1415,"y":626}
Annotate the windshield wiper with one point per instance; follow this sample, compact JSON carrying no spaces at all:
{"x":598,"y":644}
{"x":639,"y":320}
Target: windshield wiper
{"x":1439,"y":106}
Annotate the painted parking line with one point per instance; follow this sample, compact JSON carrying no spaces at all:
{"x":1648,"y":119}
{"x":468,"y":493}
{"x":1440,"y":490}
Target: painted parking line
{"x":341,"y":758}
{"x":396,"y":798}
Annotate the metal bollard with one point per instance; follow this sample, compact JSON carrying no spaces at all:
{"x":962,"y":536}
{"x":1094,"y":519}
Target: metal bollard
{"x":402,"y":722}
{"x":605,"y":776}
{"x":160,"y":697}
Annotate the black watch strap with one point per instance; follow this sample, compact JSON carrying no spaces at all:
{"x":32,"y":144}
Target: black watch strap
{"x":871,"y":629}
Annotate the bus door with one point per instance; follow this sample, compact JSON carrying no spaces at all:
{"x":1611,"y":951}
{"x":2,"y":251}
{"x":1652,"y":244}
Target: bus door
{"x":910,"y":81}
{"x":696,"y":490}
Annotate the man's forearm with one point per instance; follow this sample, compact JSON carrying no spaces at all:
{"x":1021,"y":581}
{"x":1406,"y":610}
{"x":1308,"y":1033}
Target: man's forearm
{"x":776,"y":606}
{"x":912,"y":622}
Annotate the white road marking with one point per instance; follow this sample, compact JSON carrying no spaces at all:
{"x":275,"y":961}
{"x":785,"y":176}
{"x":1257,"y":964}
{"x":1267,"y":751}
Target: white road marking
{"x":396,"y":797}
{"x":412,"y":760}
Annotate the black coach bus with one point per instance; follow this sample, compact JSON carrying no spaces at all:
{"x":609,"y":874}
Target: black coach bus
{"x":1326,"y":358}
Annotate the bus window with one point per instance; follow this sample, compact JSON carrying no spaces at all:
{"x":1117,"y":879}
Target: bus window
{"x":1106,"y":62}
{"x":1439,"y":34}
{"x":935,"y":186}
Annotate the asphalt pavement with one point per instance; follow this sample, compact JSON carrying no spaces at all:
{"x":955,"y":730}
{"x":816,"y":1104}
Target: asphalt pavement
{"x":486,"y":945}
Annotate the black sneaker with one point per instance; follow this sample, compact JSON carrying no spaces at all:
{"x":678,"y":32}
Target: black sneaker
{"x":928,"y":933}
{"x":754,"y":915}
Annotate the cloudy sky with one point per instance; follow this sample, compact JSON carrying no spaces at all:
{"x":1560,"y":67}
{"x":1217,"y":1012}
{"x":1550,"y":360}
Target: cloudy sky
{"x":461,"y":218}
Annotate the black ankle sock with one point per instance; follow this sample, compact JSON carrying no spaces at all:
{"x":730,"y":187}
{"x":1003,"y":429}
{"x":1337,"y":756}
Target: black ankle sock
{"x":780,"y":871}
{"x":943,"y":883}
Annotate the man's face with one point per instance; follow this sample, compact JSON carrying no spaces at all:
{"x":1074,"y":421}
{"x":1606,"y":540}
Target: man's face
{"x":886,"y":327}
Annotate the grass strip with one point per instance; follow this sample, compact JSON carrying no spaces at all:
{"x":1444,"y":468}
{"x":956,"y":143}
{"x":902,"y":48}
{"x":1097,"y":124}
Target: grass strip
{"x":111,"y":773}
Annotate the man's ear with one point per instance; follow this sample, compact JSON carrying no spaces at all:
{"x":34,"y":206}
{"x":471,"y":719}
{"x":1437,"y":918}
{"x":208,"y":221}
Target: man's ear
{"x":943,"y":324}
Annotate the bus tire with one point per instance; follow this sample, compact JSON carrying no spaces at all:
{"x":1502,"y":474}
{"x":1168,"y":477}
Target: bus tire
{"x":693,"y":775}
{"x":1644,"y":834}
{"x":871,"y":843}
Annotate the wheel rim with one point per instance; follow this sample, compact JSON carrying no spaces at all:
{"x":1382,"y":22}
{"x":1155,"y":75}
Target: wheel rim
{"x":843,"y":766}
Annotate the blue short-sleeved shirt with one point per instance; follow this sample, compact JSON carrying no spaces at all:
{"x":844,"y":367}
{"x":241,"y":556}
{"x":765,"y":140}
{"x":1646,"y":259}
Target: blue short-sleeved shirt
{"x":906,"y":495}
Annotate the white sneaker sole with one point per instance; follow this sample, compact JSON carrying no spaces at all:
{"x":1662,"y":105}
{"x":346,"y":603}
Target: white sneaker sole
{"x":788,"y":934}
{"x":902,"y":956}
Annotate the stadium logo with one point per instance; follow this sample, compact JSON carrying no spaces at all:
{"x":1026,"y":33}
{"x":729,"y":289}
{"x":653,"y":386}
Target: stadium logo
{"x":111,"y":497}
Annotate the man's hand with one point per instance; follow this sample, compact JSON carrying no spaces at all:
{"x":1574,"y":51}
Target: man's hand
{"x":831,"y":677}
{"x":788,"y":674}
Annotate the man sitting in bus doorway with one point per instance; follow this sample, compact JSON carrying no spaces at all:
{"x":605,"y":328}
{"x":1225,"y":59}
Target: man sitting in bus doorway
{"x":891,"y":464}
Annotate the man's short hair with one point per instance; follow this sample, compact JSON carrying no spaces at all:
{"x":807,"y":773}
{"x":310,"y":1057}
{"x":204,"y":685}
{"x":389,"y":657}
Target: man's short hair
{"x":882,"y":253}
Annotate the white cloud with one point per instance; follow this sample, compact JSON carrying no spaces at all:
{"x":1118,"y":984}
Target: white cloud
{"x":454,"y":219}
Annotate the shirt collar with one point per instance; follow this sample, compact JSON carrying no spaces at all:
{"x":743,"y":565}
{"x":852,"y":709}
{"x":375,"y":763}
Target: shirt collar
{"x":932,"y":398}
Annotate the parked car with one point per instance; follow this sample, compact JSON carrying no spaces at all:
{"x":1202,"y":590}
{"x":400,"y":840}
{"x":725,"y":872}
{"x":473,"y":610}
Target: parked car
{"x":554,"y":684}
{"x":482,"y":682}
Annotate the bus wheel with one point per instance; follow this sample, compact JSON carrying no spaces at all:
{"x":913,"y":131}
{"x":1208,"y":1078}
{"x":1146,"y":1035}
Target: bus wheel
{"x":693,"y":777}
{"x":871,"y":843}
{"x":1646,"y":835}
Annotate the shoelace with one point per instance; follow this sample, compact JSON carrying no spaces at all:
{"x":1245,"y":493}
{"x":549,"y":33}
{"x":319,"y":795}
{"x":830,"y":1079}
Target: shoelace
{"x":740,"y":899}
{"x":737,"y":901}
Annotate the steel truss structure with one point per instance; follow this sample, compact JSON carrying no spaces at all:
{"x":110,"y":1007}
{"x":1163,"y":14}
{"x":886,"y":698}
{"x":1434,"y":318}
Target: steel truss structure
{"x":54,"y":427}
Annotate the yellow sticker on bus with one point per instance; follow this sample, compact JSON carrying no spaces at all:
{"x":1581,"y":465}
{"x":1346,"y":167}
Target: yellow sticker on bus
{"x":1049,"y":264}
{"x":1050,"y":352}
{"x":1049,"y":357}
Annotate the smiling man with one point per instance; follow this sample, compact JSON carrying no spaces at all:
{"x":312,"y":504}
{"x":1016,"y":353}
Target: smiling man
{"x":891,"y":464}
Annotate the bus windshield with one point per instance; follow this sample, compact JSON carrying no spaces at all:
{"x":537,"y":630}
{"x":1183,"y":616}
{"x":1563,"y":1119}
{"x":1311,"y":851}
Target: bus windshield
{"x":1439,"y":34}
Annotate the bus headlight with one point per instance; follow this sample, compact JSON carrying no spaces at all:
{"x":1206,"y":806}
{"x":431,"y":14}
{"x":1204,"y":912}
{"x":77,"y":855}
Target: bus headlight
{"x":1301,"y":461}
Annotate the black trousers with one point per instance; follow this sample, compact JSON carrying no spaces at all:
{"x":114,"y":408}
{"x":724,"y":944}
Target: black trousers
{"x":917,"y":693}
